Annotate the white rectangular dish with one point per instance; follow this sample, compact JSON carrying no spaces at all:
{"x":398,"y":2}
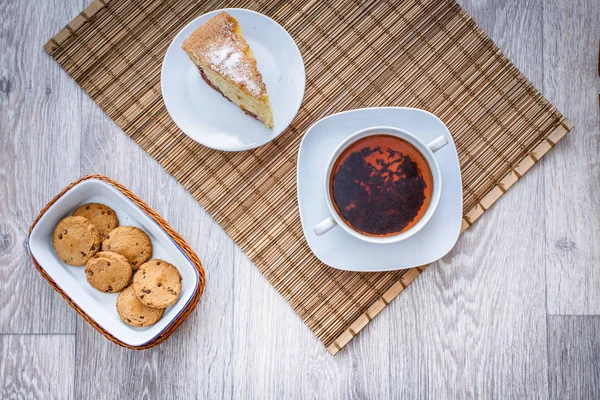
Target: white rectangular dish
{"x":100,"y":308}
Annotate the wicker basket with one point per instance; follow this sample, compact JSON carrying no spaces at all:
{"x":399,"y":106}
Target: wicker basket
{"x":170,"y":232}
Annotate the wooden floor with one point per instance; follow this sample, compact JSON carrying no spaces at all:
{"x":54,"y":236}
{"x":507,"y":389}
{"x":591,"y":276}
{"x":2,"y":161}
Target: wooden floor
{"x":512,"y":312}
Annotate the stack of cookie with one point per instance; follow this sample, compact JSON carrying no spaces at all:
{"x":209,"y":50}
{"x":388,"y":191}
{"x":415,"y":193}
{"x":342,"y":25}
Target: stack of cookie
{"x":111,"y":254}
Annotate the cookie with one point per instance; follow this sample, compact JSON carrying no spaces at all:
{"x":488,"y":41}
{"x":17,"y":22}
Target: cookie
{"x":133,"y":312}
{"x":103,"y":217}
{"x":75,"y":240}
{"x":157,"y":283}
{"x":108,"y":272}
{"x":131,"y":242}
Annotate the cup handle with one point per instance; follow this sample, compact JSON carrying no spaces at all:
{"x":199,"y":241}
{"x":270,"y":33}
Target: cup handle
{"x":438,"y":143}
{"x":324,"y":226}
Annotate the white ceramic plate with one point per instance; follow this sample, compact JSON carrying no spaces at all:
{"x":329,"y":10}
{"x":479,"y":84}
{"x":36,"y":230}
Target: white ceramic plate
{"x":210,"y":119}
{"x":340,"y":250}
{"x":101,"y":307}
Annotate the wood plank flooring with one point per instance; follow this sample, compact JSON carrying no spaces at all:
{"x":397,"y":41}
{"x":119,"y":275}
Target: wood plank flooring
{"x":512,"y":312}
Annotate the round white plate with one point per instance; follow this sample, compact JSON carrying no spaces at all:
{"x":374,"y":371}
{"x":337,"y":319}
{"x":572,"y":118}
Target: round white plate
{"x":339,"y":249}
{"x":205,"y":115}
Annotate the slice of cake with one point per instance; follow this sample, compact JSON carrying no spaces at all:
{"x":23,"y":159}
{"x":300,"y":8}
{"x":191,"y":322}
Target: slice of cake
{"x":220,"y":51}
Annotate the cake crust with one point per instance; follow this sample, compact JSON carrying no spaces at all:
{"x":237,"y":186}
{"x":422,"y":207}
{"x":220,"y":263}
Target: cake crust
{"x":217,"y":44}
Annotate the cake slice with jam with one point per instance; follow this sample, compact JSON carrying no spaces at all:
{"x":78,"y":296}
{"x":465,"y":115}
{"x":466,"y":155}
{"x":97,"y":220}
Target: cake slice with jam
{"x":226,"y":63}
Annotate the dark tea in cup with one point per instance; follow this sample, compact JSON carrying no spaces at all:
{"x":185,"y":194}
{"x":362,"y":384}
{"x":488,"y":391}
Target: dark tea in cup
{"x":381,"y":185}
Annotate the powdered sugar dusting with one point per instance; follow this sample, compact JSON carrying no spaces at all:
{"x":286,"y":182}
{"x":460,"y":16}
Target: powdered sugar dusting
{"x":219,"y":55}
{"x":227,"y":58}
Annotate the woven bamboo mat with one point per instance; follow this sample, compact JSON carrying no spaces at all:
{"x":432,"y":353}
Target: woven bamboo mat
{"x":421,"y":53}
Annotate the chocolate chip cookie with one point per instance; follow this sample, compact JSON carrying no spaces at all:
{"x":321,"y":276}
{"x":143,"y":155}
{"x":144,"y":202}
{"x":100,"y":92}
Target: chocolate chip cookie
{"x":75,"y":240}
{"x":103,"y":217}
{"x":157,"y":283}
{"x":108,"y":272}
{"x":134,"y":312}
{"x":131,"y":242}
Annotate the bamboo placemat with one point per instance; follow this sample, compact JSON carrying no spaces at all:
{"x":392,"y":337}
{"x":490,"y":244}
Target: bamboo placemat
{"x":427,"y":54}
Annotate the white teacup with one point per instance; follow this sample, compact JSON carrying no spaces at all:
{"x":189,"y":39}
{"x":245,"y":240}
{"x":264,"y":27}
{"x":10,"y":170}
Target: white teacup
{"x":427,"y":150}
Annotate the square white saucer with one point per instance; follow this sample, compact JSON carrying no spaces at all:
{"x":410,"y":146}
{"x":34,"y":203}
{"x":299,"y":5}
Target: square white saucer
{"x":340,"y":250}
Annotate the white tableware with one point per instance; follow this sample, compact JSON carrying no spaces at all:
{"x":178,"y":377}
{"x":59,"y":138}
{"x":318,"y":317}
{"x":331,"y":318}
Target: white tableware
{"x":426,"y":149}
{"x":205,"y":115}
{"x":338,"y":248}
{"x":101,"y":307}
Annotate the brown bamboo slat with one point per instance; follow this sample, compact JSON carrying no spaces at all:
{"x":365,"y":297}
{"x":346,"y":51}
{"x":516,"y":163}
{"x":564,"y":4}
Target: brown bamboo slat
{"x":185,"y":312}
{"x":427,"y":54}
